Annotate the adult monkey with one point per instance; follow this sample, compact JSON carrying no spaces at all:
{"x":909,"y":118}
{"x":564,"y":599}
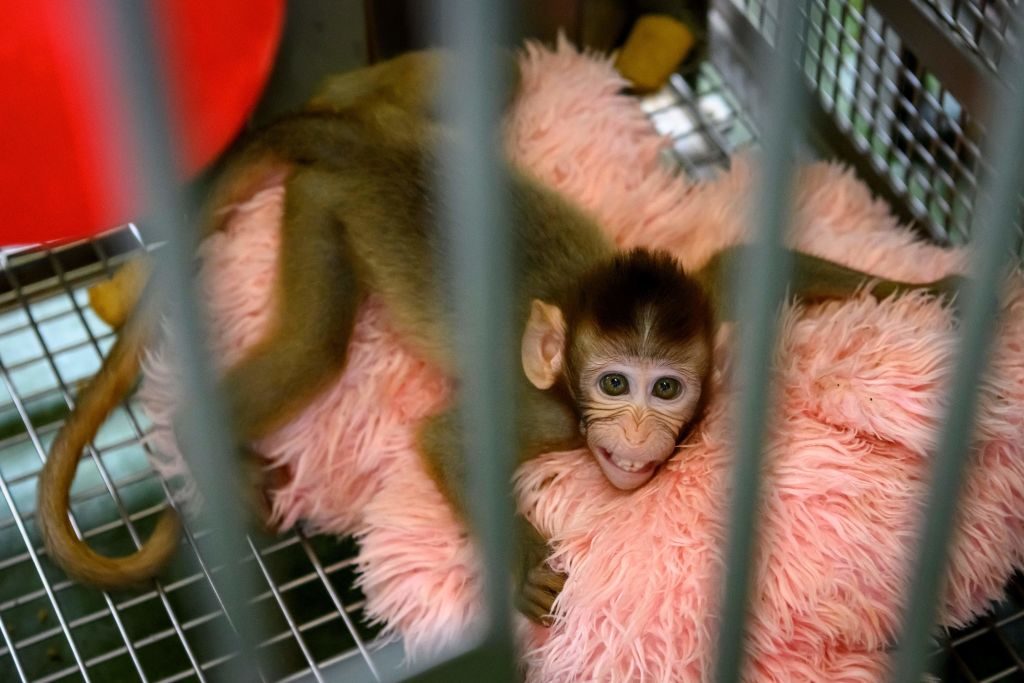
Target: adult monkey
{"x":616,"y":347}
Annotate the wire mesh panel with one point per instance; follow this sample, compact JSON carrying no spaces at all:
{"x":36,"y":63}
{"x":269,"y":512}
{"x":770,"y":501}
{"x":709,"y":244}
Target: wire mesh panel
{"x":991,"y":649}
{"x":53,"y":629}
{"x":984,"y":25}
{"x":897,"y":111}
{"x":919,"y":141}
{"x":702,"y":118}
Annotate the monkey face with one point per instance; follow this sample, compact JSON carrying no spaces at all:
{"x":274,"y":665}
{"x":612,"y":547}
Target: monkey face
{"x":632,"y":414}
{"x":633,"y":349}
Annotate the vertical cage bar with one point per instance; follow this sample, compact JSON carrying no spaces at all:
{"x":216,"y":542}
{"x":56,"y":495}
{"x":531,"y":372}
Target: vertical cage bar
{"x":473,"y":213}
{"x":760,"y":292}
{"x":472,"y":192}
{"x":994,"y":231}
{"x":209,"y":446}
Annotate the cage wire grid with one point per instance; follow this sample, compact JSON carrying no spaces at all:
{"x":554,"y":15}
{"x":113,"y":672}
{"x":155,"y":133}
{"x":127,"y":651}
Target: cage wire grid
{"x":53,"y":629}
{"x":50,"y":341}
{"x":983,"y":24}
{"x":923,"y":147}
{"x":918,"y":138}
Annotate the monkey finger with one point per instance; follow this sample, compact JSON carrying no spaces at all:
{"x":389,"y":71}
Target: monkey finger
{"x":255,"y":491}
{"x":545,"y":577}
{"x":528,"y":609}
{"x":537,"y":615}
{"x":544,"y":600}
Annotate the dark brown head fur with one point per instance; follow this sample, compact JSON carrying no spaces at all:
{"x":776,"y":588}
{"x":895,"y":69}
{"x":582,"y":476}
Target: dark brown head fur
{"x":642,"y":305}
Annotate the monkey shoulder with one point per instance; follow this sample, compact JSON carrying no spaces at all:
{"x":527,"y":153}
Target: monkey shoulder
{"x":556,"y":241}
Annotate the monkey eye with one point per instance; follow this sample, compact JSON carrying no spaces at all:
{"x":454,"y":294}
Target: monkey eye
{"x":667,"y":388}
{"x":614,"y":384}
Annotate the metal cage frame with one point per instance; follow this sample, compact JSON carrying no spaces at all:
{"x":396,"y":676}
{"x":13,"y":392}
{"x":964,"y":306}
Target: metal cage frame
{"x":918,"y":128}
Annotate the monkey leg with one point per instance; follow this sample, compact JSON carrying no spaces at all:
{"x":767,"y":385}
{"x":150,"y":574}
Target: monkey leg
{"x":407,"y":82}
{"x":315,"y":304}
{"x":536,"y":584}
{"x":814,"y":279}
{"x":248,"y":171}
{"x":401,"y":91}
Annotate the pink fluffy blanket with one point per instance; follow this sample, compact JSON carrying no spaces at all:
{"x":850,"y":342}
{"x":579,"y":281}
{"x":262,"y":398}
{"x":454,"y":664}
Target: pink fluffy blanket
{"x":860,"y":395}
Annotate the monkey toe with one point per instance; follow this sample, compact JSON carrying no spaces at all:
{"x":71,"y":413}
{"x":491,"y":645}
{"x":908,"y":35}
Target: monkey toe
{"x":542,"y":576}
{"x":537,"y":596}
{"x":535,"y":604}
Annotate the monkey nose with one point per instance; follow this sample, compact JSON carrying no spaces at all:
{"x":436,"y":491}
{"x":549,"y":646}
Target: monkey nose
{"x":636,"y":437}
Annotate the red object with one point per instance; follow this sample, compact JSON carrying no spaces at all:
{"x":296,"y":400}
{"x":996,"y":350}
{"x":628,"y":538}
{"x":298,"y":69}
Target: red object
{"x":66,"y":169}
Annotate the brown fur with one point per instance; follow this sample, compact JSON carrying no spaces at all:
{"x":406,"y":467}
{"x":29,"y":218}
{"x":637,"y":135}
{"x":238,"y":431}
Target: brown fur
{"x":359,"y":218}
{"x":639,"y":290}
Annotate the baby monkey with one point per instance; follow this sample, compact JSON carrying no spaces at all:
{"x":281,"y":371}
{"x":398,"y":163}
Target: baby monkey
{"x":616,"y":348}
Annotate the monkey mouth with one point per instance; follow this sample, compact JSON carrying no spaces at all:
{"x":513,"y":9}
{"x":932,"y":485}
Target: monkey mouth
{"x":626,"y":465}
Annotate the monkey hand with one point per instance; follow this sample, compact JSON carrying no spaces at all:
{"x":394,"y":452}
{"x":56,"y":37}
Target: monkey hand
{"x":537,"y":584}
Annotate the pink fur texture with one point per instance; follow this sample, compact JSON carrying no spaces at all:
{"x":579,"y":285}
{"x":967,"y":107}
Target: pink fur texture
{"x":859,"y":399}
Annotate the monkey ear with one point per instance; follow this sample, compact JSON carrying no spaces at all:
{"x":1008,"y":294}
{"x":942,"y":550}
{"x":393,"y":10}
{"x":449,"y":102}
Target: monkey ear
{"x":543,"y":342}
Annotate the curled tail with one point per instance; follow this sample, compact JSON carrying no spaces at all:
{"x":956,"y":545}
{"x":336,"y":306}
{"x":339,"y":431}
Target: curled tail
{"x":110,"y":385}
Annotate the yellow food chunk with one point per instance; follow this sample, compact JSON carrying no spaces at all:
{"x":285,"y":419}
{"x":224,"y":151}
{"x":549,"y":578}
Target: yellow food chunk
{"x":114,"y":299}
{"x":656,"y":46}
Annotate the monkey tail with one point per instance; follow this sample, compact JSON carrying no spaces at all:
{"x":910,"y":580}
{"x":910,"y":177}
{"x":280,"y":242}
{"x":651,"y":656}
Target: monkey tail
{"x":110,"y":385}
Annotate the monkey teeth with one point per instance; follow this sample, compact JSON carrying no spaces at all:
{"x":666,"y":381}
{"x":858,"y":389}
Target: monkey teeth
{"x":628,"y":465}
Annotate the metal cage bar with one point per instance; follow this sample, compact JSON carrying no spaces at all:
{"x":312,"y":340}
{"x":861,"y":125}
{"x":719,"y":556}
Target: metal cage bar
{"x":473,"y":192}
{"x":203,"y":420}
{"x":477,"y":236}
{"x":993,"y":245}
{"x":760,"y":293}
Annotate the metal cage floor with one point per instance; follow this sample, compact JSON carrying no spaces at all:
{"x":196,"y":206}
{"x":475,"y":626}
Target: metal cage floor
{"x":52,"y":629}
